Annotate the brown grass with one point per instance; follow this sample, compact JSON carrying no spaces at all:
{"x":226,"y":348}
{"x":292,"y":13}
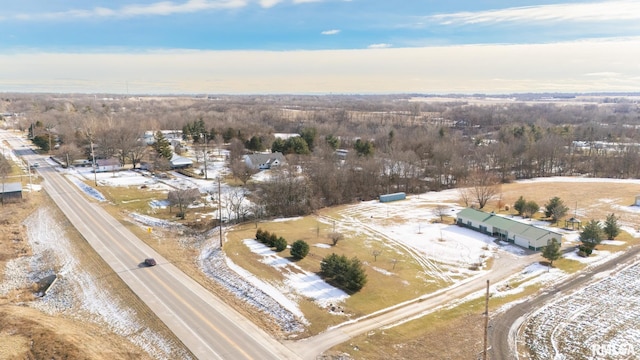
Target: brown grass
{"x":26,"y":333}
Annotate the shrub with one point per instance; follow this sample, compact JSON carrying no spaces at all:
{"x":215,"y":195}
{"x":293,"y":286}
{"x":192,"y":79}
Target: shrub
{"x":299,"y":249}
{"x":280,"y":244}
{"x":271,"y":240}
{"x":262,"y":236}
{"x":347,"y":274}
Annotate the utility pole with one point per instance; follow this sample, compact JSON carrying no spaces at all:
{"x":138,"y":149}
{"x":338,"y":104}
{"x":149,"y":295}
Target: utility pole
{"x":205,"y":156}
{"x":486,"y":322}
{"x":220,"y":211}
{"x":93,"y":157}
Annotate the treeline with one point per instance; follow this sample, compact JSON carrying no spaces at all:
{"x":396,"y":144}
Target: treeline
{"x":387,"y":143}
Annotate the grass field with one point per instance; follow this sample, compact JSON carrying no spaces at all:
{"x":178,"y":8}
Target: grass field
{"x":397,"y":276}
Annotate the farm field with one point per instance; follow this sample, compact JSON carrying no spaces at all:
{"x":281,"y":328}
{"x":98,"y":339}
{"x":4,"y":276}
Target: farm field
{"x":596,"y":321}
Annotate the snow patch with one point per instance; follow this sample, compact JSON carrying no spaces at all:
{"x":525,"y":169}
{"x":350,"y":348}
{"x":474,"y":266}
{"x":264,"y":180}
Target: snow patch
{"x":303,"y":282}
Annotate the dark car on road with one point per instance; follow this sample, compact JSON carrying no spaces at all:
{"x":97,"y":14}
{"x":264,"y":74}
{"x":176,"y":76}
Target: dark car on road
{"x":150,"y":261}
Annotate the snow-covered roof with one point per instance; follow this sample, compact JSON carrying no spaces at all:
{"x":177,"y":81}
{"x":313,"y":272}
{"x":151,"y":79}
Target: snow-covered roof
{"x":11,"y":187}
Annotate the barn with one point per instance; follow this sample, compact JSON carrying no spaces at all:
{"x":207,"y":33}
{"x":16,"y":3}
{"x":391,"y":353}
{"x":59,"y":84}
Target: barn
{"x":11,"y":192}
{"x":509,"y":230}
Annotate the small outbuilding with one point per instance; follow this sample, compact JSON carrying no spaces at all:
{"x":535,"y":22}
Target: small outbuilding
{"x":392,"y":197}
{"x":10,"y":192}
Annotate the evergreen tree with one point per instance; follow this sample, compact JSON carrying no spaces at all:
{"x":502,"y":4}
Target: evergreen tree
{"x":364,"y":148}
{"x":278,"y":145}
{"x":280,"y":244}
{"x":530,"y":208}
{"x":552,"y":252}
{"x":309,"y":136}
{"x":611,"y":228}
{"x":333,"y":141}
{"x":299,"y":249}
{"x":591,"y":234}
{"x":555,"y":209}
{"x":347,"y":274}
{"x":162,"y":146}
{"x":519,"y":205}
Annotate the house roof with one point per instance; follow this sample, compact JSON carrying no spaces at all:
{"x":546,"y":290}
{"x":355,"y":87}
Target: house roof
{"x":265,"y":158}
{"x":177,"y":160}
{"x":514,"y":227}
{"x":11,"y":187}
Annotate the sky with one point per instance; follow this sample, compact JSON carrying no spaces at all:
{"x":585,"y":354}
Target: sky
{"x":319,"y":46}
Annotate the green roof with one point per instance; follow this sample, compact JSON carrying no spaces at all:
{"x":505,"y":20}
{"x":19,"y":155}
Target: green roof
{"x":512,"y":226}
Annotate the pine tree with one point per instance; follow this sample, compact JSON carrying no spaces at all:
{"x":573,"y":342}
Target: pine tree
{"x":591,"y":235}
{"x":552,"y":252}
{"x":519,"y":205}
{"x":299,"y":249}
{"x":162,"y":146}
{"x":555,"y":209}
{"x":611,"y":228}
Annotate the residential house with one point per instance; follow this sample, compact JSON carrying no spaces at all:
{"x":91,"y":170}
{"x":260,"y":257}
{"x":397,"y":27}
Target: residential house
{"x":180,"y":162}
{"x":105,"y":165}
{"x":264,"y":161}
{"x":525,"y":235}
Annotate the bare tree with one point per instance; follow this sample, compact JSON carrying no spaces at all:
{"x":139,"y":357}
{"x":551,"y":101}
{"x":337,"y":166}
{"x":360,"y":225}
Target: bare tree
{"x":182,"y":198}
{"x":236,"y":205}
{"x":124,"y":139}
{"x":484,"y":187}
{"x":335,"y":237}
{"x":375,"y":254}
{"x":440,"y":211}
{"x":241,"y":171}
{"x":69,"y":153}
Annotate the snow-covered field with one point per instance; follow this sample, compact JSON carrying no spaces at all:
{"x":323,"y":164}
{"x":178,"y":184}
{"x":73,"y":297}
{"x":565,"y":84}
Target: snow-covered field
{"x":585,"y":325}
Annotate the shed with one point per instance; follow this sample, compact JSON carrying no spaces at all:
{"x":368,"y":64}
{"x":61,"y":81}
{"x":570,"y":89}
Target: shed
{"x":11,"y":191}
{"x":392,"y":197}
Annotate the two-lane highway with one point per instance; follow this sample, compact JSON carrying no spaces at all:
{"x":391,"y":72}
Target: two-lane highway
{"x":207,"y":326}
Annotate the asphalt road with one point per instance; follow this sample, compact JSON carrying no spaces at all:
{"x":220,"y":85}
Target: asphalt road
{"x":208,"y":327}
{"x":504,"y":328}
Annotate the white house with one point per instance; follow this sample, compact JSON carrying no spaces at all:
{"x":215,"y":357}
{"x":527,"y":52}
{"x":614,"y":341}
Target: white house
{"x":179,"y":162}
{"x":105,"y":165}
{"x":519,"y":233}
{"x":264,"y":161}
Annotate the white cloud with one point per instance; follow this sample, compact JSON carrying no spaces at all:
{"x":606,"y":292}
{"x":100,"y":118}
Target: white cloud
{"x":604,"y":73}
{"x":330,"y":32}
{"x":269,"y":3}
{"x":620,"y":10}
{"x":559,"y":67}
{"x":157,"y":8}
{"x":305,"y":1}
{"x":379,"y":46}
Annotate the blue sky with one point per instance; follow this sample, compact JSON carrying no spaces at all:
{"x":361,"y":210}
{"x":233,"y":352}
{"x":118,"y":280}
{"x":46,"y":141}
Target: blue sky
{"x":319,"y":46}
